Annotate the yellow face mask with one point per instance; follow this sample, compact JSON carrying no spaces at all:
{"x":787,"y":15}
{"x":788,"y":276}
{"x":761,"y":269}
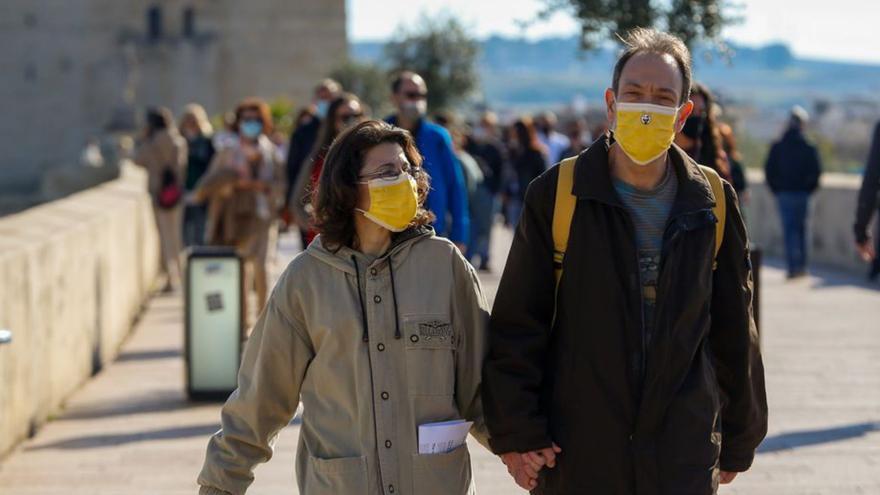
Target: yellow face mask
{"x":644,"y":131}
{"x":393,"y":203}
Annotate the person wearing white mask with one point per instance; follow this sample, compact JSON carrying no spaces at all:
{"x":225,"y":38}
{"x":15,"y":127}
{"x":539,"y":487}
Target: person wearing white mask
{"x":623,"y":355}
{"x":303,"y":138}
{"x":242,"y":189}
{"x":448,"y":197}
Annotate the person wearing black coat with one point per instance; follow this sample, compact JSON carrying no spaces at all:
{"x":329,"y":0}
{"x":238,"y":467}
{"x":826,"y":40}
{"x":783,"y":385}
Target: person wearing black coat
{"x":868,"y":202}
{"x":792,"y":172}
{"x":303,"y":138}
{"x":582,"y":392}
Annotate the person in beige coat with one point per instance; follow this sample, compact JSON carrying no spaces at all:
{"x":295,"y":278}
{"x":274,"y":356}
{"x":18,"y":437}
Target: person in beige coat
{"x":377,"y":328}
{"x":242,"y":188}
{"x":162,"y":152}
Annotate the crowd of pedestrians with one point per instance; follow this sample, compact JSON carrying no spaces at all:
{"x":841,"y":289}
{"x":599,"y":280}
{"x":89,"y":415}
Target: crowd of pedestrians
{"x":635,"y":371}
{"x":638,"y":371}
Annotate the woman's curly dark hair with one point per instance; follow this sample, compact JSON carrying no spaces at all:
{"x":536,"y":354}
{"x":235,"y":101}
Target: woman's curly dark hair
{"x":336,"y":194}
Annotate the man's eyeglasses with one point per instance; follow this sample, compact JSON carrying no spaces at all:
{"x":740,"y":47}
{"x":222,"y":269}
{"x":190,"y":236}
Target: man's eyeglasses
{"x":415,"y":95}
{"x":350,"y":118}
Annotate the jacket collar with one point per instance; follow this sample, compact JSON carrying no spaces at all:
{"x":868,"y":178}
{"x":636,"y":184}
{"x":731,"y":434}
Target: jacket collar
{"x":392,"y":119}
{"x":341,"y":259}
{"x":592,"y":179}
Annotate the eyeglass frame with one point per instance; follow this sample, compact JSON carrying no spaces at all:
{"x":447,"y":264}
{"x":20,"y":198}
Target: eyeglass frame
{"x":386,"y":175}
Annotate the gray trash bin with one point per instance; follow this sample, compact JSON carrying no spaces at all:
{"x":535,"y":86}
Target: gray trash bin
{"x":214,"y":322}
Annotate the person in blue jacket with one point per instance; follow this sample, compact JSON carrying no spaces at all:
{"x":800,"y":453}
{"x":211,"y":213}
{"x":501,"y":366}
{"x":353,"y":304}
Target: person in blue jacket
{"x":448,"y":196}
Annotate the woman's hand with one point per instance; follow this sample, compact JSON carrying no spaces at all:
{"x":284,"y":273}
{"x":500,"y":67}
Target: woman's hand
{"x":727,"y":477}
{"x":866,"y":250}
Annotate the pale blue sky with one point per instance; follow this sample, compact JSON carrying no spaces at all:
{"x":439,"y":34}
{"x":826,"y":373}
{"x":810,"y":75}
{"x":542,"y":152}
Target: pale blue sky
{"x":839,"y":29}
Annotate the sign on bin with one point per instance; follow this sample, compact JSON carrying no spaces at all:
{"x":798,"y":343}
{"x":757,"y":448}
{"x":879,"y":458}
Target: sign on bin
{"x":213,"y":322}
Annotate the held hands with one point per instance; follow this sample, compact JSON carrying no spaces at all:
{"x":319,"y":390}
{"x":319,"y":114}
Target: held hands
{"x":866,"y":250}
{"x":727,"y":477}
{"x":525,"y":467}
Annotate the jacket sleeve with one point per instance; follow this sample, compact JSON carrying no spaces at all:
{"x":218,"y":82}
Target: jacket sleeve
{"x":300,"y":147}
{"x":273,"y":366}
{"x":181,"y":147}
{"x":734,"y":342}
{"x":455,"y":188}
{"x":297,"y":198}
{"x":471,"y":316}
{"x":815,"y":169}
{"x":771,"y":168}
{"x":519,"y":330}
{"x":218,"y":178}
{"x":868,"y":194}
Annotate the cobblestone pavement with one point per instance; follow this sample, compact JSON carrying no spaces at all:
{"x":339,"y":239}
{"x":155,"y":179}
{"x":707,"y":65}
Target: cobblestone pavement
{"x":130,"y":429}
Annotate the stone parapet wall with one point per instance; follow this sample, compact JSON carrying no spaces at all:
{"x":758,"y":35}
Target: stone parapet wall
{"x":832,"y":214}
{"x":74,"y":274}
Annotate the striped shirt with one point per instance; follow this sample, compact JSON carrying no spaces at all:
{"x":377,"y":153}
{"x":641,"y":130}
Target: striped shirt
{"x":650,"y":212}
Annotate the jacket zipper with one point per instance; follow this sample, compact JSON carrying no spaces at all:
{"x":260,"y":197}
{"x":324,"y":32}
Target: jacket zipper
{"x":673,"y":221}
{"x":643,"y":358}
{"x":663,"y":252}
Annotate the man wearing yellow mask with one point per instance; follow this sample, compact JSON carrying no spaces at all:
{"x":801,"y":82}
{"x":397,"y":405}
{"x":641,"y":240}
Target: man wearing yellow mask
{"x":623,"y":353}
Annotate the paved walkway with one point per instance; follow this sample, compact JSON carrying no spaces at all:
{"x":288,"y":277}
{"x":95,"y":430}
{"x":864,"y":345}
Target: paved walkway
{"x":130,"y":430}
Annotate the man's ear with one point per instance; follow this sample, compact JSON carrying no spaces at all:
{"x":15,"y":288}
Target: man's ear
{"x":610,"y":104}
{"x":683,"y":115}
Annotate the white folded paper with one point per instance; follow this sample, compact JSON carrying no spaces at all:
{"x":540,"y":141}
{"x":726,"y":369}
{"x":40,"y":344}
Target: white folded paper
{"x":443,"y":437}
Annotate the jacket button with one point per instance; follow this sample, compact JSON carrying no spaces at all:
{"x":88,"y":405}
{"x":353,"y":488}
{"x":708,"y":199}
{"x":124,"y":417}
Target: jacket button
{"x":381,"y":347}
{"x":414,"y":338}
{"x":385,"y":395}
{"x":373,"y":271}
{"x":390,"y":488}
{"x":377,"y":299}
{"x":387,"y":444}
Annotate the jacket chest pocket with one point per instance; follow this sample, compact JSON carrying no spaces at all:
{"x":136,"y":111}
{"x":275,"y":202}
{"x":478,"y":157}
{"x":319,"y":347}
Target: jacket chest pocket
{"x":430,"y":354}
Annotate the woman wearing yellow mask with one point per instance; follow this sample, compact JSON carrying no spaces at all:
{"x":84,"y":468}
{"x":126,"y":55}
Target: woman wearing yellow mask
{"x":379,"y":328}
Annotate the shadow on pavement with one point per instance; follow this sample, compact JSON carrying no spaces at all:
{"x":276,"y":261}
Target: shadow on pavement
{"x":805,"y":438}
{"x":824,"y":277}
{"x":148,"y":355}
{"x":135,"y":405}
{"x":113,"y":440}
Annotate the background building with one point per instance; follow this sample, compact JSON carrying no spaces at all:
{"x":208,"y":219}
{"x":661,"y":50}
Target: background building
{"x":78,"y":69}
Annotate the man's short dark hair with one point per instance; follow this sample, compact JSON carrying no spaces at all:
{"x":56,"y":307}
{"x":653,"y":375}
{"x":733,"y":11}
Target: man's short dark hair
{"x":399,"y":78}
{"x":642,"y":40}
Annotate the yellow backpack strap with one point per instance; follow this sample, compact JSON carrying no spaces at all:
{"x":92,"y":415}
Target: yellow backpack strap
{"x":563,"y":211}
{"x":720,"y":208}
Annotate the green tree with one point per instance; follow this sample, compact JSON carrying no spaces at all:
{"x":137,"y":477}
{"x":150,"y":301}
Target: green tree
{"x":368,"y":81}
{"x":691,"y":20}
{"x":443,"y":52}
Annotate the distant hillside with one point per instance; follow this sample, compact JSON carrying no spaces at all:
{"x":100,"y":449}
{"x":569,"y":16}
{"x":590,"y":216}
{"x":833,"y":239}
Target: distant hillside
{"x":520,"y":73}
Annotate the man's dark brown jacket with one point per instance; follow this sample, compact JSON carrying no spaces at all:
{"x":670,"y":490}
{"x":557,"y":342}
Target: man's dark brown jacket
{"x":631,"y":418}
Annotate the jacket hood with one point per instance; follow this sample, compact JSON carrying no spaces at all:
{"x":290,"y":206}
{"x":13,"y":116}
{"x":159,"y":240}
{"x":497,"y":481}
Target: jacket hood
{"x":341,"y":259}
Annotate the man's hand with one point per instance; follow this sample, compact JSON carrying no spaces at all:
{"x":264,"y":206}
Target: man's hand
{"x":525,"y":467}
{"x":524,"y":474}
{"x":866,"y":250}
{"x":727,"y":477}
{"x":543,"y":457}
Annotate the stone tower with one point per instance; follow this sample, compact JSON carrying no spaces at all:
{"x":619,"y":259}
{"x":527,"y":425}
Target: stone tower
{"x":74,"y":69}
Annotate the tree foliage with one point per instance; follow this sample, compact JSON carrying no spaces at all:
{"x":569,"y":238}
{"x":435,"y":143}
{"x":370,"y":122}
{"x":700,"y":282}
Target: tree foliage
{"x":368,"y":81}
{"x":691,"y":20}
{"x":444,"y":53}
